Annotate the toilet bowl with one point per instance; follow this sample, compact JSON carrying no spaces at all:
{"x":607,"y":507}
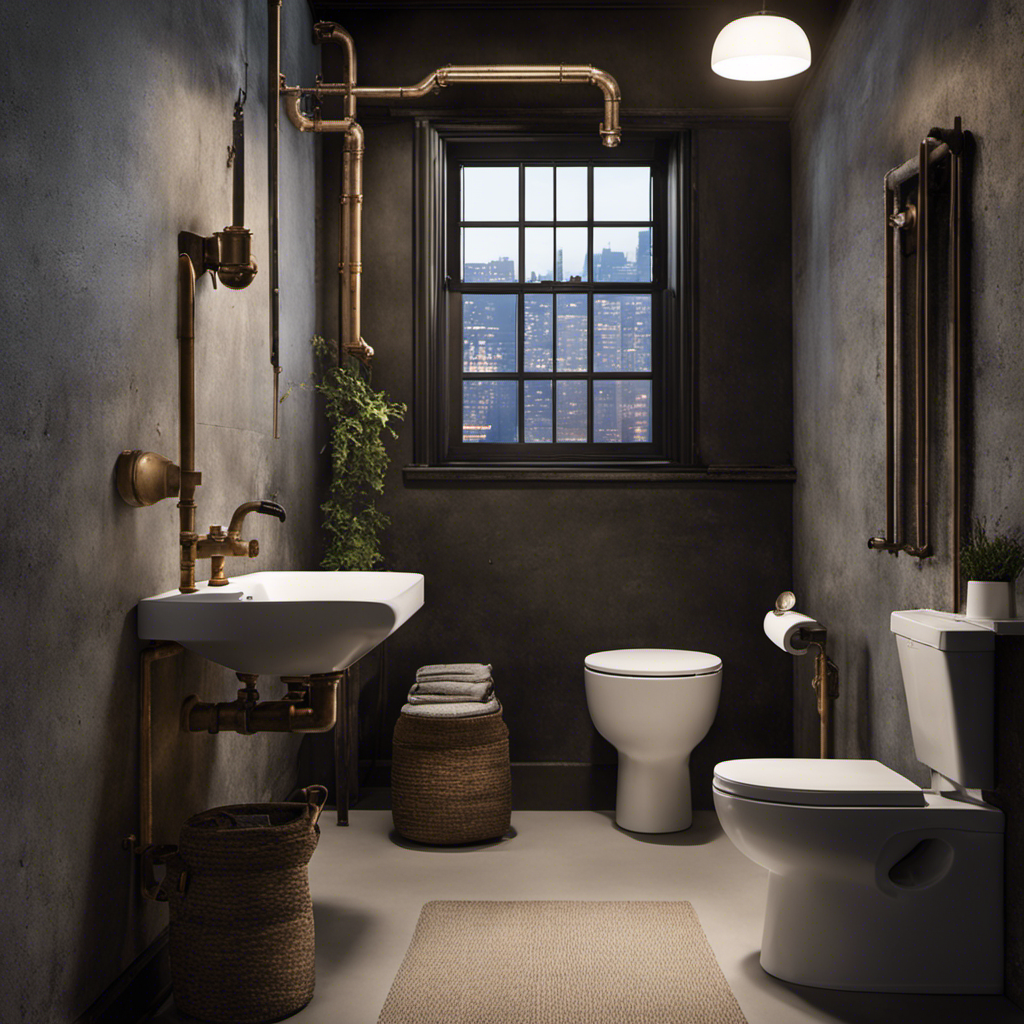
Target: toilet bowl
{"x":654,"y":706}
{"x":873,"y":884}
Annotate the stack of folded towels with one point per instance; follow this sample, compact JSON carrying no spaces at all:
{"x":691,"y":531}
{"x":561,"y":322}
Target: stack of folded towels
{"x":452,"y":691}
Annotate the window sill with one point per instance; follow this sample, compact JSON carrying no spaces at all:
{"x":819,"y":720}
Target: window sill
{"x":652,"y":473}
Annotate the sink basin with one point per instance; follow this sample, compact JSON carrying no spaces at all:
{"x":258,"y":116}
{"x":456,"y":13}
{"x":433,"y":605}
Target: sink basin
{"x":285,"y":623}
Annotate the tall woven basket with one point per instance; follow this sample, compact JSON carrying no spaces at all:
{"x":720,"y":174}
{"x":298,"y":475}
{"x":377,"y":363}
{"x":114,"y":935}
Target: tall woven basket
{"x":450,"y":780}
{"x":241,"y":937}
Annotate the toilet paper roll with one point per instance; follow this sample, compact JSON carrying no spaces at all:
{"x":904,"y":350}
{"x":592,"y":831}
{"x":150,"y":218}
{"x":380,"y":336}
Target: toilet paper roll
{"x":780,"y":629}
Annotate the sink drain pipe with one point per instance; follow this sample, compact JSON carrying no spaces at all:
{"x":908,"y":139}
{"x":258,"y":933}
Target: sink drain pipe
{"x":309,"y":706}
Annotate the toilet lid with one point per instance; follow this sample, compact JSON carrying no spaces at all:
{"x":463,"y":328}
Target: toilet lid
{"x":838,"y":782}
{"x":653,"y":661}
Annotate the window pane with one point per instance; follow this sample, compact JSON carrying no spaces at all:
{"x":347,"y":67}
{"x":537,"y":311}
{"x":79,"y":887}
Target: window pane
{"x":622,"y":411}
{"x":489,"y":333}
{"x":572,"y":411}
{"x":537,"y":410}
{"x":490,"y":411}
{"x":571,"y":255}
{"x":490,"y":254}
{"x":492,"y":193}
{"x":622,"y":333}
{"x":540,"y":193}
{"x":622,"y":254}
{"x":572,"y":193}
{"x":572,"y":333}
{"x":537,"y":357}
{"x":622,"y":193}
{"x":540,"y":251}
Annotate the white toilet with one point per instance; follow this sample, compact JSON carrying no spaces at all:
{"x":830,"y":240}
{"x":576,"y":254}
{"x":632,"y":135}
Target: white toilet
{"x":654,"y":706}
{"x":873,"y":883}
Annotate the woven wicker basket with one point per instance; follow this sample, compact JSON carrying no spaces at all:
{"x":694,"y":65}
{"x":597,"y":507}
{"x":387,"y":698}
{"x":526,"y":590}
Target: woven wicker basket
{"x":450,"y":780}
{"x":241,"y":937}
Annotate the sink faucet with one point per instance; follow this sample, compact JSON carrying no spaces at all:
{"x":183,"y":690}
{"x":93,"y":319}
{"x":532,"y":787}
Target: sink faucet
{"x":218,"y":545}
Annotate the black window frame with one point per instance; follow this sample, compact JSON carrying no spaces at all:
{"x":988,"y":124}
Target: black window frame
{"x":437,"y":413}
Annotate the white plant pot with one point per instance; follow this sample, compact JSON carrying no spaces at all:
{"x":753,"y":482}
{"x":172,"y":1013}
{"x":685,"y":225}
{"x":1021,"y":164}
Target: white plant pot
{"x":990,"y":600}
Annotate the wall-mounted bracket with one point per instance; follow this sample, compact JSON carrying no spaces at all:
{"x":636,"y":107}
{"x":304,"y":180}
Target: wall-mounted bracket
{"x":202,"y":251}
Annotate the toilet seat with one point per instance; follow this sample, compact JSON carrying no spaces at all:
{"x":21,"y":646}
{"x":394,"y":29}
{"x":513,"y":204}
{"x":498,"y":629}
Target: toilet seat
{"x":653,"y":663}
{"x":837,"y":782}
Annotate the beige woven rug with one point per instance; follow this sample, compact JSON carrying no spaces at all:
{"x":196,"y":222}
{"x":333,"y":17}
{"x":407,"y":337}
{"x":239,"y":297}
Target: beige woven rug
{"x":559,"y":962}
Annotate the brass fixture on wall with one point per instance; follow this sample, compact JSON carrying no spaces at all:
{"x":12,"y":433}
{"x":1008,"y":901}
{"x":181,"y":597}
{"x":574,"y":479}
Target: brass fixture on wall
{"x":144,"y":478}
{"x":350,"y":265}
{"x":908,"y":224}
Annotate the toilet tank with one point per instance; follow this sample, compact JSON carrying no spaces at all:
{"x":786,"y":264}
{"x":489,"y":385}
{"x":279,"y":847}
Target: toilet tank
{"x":948,"y":666}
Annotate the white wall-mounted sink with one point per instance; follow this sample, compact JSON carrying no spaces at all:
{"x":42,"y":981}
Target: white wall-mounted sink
{"x":285,"y":623}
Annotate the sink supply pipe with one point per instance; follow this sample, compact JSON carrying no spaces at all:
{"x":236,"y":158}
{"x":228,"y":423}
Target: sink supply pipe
{"x":350,"y":265}
{"x":309,"y":706}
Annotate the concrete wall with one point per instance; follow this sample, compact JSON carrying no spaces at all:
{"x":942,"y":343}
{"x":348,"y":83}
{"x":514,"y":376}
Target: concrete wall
{"x":892,"y":72}
{"x":117,"y":119}
{"x":533,"y":577}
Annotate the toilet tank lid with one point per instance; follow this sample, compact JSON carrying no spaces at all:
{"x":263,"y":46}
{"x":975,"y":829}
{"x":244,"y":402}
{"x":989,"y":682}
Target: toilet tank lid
{"x":653,"y":661}
{"x":942,"y":630}
{"x":837,"y":782}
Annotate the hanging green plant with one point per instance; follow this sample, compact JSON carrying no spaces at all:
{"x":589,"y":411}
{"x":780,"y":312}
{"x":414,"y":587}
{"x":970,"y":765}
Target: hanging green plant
{"x":358,"y":418}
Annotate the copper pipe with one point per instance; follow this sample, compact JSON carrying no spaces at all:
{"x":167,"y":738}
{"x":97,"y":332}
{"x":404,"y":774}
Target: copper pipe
{"x":351,"y":187}
{"x":922,"y":334}
{"x":142,"y":844}
{"x":353,"y":343}
{"x":891,"y":541}
{"x":331,"y":32}
{"x":826,"y":683}
{"x":190,"y":479}
{"x":273,"y":162}
{"x":247,"y":714}
{"x":292,"y":107}
{"x":955,"y":341}
{"x":537,"y":73}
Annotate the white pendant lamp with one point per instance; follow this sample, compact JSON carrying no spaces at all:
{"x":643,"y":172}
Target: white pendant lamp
{"x":761,"y":47}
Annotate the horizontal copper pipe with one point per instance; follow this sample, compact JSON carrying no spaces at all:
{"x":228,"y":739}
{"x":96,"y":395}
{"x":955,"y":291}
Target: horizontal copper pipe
{"x":314,"y":710}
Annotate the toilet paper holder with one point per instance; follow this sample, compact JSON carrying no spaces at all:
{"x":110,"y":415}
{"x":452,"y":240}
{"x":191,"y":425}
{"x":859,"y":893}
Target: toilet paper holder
{"x":826,"y":673}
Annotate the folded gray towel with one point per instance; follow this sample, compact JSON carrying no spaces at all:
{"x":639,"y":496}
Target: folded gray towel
{"x":440,"y":691}
{"x":467,"y":672}
{"x":463,"y":709}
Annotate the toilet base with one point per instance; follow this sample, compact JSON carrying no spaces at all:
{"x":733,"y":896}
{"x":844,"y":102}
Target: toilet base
{"x":653,"y":795}
{"x":941,"y":938}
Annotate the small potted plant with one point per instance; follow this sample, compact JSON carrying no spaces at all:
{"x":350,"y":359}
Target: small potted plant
{"x":991,"y":566}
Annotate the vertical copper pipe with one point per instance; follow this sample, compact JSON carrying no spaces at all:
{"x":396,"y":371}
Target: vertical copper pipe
{"x":187,"y":422}
{"x":922,"y":333}
{"x":354,"y":146}
{"x":891,"y":241}
{"x":273,"y":119}
{"x":956,"y":496}
{"x":893,"y":540}
{"x":344,"y":249}
{"x":824,"y":698}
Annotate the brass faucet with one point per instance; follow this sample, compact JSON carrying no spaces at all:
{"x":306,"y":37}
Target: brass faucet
{"x":218,"y":545}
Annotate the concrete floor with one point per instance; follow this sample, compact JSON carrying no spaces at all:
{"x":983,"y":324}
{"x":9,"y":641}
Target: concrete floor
{"x":368,"y":891}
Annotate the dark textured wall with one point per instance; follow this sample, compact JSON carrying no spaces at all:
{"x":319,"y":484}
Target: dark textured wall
{"x":892,"y":72}
{"x":117,"y":119}
{"x":532,"y":578}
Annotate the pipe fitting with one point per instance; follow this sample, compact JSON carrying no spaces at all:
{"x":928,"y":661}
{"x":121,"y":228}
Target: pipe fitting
{"x":310,"y":706}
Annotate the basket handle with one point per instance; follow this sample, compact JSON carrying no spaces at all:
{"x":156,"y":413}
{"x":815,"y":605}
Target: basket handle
{"x":311,"y":793}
